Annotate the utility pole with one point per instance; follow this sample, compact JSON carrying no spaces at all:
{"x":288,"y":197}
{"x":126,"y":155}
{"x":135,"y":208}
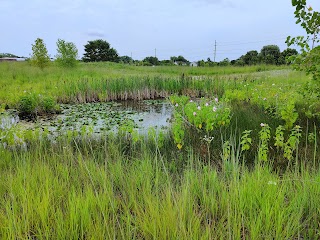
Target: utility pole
{"x":215,"y":51}
{"x":155,"y":52}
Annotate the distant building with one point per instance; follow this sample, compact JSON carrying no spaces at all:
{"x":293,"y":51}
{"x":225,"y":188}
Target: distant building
{"x":194,"y":64}
{"x":11,"y":59}
{"x":7,"y":59}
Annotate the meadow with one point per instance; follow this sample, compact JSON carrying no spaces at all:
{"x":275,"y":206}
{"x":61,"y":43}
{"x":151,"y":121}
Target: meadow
{"x":239,"y":161}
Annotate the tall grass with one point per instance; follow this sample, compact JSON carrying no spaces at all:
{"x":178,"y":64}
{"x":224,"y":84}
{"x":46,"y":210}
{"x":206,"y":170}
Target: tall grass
{"x":107,"y":81}
{"x":94,"y":190}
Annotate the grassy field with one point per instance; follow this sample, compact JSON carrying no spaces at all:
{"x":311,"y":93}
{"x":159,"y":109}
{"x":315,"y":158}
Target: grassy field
{"x":108,"y":81}
{"x":253,"y":175}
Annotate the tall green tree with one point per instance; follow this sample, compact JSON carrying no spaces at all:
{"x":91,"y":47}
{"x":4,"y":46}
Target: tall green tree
{"x":10,"y":55}
{"x":99,"y":51}
{"x":180,"y":60}
{"x":286,"y":54}
{"x":309,"y":58}
{"x":270,"y":54}
{"x":251,"y":58}
{"x":67,"y":53}
{"x":151,"y":60}
{"x":125,"y":59}
{"x":40,"y":56}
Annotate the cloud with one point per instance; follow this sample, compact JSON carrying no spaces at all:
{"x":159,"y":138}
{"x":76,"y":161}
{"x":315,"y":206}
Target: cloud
{"x":95,"y":33}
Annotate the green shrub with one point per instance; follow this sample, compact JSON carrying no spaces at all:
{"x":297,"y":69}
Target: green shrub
{"x":48,"y":105}
{"x":31,"y":105}
{"x":27,"y":105}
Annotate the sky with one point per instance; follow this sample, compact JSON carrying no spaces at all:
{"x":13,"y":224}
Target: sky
{"x":141,"y":28}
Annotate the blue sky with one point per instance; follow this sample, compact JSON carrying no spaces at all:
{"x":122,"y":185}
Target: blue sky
{"x":138,"y":27}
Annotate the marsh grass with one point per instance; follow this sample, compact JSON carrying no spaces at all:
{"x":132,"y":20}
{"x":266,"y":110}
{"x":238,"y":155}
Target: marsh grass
{"x":81,"y":189}
{"x":108,"y":81}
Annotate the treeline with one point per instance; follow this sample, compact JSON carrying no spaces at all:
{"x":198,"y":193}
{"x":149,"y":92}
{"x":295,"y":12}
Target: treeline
{"x":101,"y":51}
{"x":269,"y":54}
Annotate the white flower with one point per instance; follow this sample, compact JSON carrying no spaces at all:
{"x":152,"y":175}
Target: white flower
{"x":207,"y":104}
{"x":272,"y":183}
{"x":177,"y":105}
{"x":262,"y":124}
{"x":214,"y":109}
{"x":199,"y":108}
{"x":216,"y":99}
{"x":194,"y":113}
{"x":264,"y":99}
{"x":191,"y":100}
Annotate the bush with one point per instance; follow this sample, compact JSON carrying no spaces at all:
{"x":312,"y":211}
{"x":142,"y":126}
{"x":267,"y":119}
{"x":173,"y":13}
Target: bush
{"x":27,"y":106}
{"x":31,"y":105}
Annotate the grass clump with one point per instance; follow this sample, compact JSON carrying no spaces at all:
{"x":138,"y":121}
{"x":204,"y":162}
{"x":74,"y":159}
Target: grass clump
{"x":30,"y":105}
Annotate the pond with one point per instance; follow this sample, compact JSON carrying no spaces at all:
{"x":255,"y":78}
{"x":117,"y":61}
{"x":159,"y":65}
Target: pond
{"x":101,"y":117}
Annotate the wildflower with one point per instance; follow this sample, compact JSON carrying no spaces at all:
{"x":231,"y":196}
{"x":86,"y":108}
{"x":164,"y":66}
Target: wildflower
{"x":272,"y":183}
{"x":191,"y":100}
{"x":214,"y":109}
{"x":194,"y":113}
{"x":216,"y":99}
{"x":273,"y":84}
{"x":177,"y":105}
{"x":262,"y":124}
{"x":199,"y":108}
{"x":207,"y":104}
{"x":24,"y":91}
{"x":264,"y":99}
{"x":179,"y":146}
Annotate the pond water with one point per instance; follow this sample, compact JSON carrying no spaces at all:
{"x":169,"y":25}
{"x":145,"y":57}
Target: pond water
{"x":101,"y":117}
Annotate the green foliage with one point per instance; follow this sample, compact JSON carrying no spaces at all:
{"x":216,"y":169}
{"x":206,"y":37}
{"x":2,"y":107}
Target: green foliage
{"x":204,"y":116}
{"x":151,"y":61}
{"x":292,"y":143}
{"x":67,"y":53}
{"x":251,"y":58}
{"x":28,"y":104}
{"x":31,"y":104}
{"x":246,"y":140}
{"x":40,"y":57}
{"x":125,"y":59}
{"x":309,"y":58}
{"x":270,"y":54}
{"x":264,"y":136}
{"x":180,"y":60}
{"x":279,"y":137}
{"x":289,"y":114}
{"x":178,"y":130}
{"x":10,"y":55}
{"x":286,"y":54}
{"x":99,"y":51}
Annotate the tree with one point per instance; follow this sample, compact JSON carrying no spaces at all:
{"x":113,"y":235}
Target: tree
{"x":99,"y":51}
{"x":151,"y":60}
{"x":125,"y":59}
{"x":309,"y":59}
{"x":270,"y":54}
{"x":67,"y":53}
{"x":224,"y":62}
{"x":286,"y":54}
{"x":251,"y":57}
{"x":40,"y":56}
{"x":180,"y":60}
{"x":9,"y":55}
